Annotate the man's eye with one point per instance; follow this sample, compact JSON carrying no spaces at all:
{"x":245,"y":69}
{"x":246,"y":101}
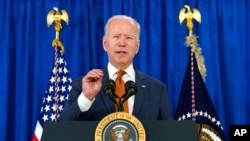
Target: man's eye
{"x":129,"y":37}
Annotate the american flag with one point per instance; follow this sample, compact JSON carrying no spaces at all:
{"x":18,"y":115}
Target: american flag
{"x":56,"y":95}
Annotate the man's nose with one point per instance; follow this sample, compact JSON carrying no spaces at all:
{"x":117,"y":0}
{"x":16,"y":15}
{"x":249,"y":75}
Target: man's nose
{"x":122,"y":40}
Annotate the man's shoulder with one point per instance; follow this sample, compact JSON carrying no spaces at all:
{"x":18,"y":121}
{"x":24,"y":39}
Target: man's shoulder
{"x":149,"y":78}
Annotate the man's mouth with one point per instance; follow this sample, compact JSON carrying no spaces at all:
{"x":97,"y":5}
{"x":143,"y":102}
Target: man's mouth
{"x":120,"y":52}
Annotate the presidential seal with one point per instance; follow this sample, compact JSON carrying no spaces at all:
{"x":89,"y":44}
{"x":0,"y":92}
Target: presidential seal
{"x":120,"y":126}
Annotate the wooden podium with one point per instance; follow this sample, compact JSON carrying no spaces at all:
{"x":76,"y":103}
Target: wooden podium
{"x":163,"y":130}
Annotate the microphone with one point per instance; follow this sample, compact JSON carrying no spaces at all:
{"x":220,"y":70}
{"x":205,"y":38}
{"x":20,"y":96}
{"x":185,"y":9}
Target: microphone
{"x":130,"y":89}
{"x":109,"y":90}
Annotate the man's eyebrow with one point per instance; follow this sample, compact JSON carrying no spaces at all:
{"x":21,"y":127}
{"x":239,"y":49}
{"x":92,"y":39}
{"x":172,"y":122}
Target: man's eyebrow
{"x":126,"y":35}
{"x":116,"y":34}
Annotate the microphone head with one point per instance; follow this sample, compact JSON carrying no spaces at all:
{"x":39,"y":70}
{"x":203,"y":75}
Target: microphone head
{"x":109,"y":90}
{"x":109,"y":85}
{"x":130,"y":86}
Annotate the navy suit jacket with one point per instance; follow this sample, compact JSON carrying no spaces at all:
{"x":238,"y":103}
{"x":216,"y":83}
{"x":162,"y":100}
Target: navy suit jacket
{"x":151,"y":101}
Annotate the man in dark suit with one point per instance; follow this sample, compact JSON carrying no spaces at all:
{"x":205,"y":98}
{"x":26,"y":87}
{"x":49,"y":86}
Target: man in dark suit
{"x":87,"y":101}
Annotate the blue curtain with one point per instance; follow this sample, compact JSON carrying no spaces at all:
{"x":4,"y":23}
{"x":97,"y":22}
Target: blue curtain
{"x":26,"y":53}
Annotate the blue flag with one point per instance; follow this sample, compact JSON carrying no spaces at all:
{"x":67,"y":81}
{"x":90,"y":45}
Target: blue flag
{"x":195,"y":104}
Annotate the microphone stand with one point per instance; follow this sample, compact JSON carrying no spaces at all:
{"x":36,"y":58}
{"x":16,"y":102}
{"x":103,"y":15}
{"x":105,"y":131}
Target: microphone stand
{"x":119,"y":104}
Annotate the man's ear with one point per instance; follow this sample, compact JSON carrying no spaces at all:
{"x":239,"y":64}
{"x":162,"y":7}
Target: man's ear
{"x":138,"y":47}
{"x":104,"y":43}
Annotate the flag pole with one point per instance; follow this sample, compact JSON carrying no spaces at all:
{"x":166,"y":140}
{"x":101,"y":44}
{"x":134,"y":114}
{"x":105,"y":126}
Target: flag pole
{"x":55,"y":15}
{"x":191,"y":41}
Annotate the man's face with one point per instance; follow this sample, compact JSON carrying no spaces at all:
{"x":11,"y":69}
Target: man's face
{"x":121,"y":43}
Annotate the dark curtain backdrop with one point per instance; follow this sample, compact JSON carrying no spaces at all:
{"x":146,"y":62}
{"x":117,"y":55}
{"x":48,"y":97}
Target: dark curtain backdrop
{"x":26,"y":53}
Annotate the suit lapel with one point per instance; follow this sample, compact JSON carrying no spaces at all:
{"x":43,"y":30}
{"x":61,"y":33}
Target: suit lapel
{"x":141,"y":84}
{"x":107,"y":102}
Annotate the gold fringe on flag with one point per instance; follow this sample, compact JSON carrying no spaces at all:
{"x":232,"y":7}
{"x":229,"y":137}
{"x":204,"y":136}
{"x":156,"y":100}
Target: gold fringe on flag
{"x":191,"y":41}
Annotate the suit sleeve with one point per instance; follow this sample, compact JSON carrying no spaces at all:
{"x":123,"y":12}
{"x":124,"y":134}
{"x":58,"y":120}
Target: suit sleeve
{"x":165,"y":106}
{"x":71,"y":109}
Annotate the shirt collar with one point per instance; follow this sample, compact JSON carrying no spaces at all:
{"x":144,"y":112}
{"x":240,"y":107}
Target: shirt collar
{"x":130,"y":72}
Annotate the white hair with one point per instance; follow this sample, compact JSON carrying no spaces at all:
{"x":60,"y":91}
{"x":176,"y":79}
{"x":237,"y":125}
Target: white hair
{"x":123,"y":17}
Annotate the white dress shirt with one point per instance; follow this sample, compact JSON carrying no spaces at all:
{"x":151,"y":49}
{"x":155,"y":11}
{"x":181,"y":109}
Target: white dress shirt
{"x":84,"y":103}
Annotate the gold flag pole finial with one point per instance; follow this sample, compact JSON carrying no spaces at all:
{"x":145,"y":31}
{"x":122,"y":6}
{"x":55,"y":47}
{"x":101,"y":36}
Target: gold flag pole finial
{"x":186,"y":13}
{"x":55,"y":15}
{"x":191,"y":40}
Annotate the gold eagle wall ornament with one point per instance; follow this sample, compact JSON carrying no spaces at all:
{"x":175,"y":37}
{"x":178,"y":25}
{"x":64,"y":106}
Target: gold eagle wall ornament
{"x":55,"y":15}
{"x":186,"y":13}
